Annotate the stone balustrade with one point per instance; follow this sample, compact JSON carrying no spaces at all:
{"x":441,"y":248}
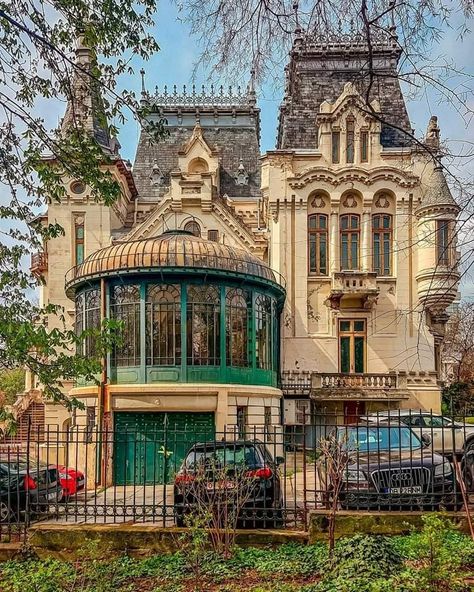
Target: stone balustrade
{"x":369,"y":385}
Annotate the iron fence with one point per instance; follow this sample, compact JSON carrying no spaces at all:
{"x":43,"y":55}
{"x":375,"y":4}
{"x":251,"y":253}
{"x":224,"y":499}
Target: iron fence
{"x":260,"y":475}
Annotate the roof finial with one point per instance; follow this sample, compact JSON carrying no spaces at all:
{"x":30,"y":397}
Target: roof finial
{"x":142,"y":74}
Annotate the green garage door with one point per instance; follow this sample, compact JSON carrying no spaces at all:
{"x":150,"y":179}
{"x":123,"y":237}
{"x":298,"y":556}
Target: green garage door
{"x":149,"y":447}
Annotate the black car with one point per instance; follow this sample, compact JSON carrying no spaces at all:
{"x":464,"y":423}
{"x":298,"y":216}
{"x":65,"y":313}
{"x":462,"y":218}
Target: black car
{"x":389,"y":467}
{"x":229,"y":478}
{"x":26,"y":485}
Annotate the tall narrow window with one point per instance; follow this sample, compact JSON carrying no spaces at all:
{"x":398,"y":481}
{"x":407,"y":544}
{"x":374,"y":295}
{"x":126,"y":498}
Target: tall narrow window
{"x":163,"y":325}
{"x":336,"y":146}
{"x":318,"y":244}
{"x":350,"y":230}
{"x":237,"y":317}
{"x":263,"y":330}
{"x":241,"y":419}
{"x":443,"y":242}
{"x":364,"y":146}
{"x":78,"y":240}
{"x":382,"y":244}
{"x":87,"y":319}
{"x":193,"y":227}
{"x":350,"y":131}
{"x":203,"y":326}
{"x":125,"y":308}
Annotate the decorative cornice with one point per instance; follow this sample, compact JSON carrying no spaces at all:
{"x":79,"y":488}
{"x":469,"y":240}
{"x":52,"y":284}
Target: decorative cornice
{"x":353,"y":174}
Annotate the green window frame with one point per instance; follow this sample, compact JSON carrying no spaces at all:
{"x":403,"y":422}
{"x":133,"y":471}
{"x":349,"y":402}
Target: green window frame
{"x":79,"y":235}
{"x":238,"y":307}
{"x":263,"y":332}
{"x":163,"y":325}
{"x":87,"y":320}
{"x":318,"y":244}
{"x":349,"y":230}
{"x":125,"y":304}
{"x":203,"y":326}
{"x":382,"y":244}
{"x":350,"y":139}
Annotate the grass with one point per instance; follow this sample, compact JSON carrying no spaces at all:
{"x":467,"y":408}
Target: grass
{"x":437,"y":559}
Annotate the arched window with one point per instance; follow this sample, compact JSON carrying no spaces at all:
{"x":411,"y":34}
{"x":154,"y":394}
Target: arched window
{"x":318,"y":244}
{"x":193,"y":226}
{"x":203,"y":326}
{"x":163,"y":325}
{"x":237,"y":316}
{"x":382,"y":244}
{"x":263,"y":332}
{"x":125,"y":308}
{"x":88,"y":319}
{"x":349,"y":233}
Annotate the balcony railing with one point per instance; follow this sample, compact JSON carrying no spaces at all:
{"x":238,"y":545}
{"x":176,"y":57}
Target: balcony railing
{"x":339,"y":385}
{"x":358,"y":284}
{"x":39,"y":263}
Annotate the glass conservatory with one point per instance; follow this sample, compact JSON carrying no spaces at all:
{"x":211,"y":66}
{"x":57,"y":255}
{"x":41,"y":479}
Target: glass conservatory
{"x":190,"y":310}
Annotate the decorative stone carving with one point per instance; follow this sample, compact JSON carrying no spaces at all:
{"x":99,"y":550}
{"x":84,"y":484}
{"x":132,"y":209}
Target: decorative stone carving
{"x":432,"y":133}
{"x":242,"y":177}
{"x":157,"y":177}
{"x":317,"y":202}
{"x":382,"y":201}
{"x":350,"y":201}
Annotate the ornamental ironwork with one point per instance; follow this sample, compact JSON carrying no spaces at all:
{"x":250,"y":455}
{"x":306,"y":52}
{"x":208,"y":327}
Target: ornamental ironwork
{"x":213,"y":96}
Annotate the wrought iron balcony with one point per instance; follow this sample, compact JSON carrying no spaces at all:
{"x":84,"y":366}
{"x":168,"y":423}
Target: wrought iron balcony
{"x":367,"y":386}
{"x":358,"y":286}
{"x":39,"y":263}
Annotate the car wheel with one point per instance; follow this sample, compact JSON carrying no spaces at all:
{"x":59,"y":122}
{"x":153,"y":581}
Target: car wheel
{"x":5,"y":512}
{"x":469,"y":447}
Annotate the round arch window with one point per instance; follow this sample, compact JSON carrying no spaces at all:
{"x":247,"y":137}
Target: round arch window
{"x":78,"y":187}
{"x":193,"y":226}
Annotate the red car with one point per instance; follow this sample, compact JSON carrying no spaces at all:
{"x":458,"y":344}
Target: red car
{"x":72,"y":480}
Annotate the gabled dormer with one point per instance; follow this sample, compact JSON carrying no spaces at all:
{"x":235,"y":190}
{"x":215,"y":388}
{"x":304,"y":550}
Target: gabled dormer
{"x":348,"y":129}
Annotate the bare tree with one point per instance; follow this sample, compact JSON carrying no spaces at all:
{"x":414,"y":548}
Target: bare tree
{"x":458,"y":346}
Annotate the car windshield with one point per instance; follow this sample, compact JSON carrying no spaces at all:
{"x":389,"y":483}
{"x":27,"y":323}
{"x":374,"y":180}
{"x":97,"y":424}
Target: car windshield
{"x":374,"y":438}
{"x":228,"y":456}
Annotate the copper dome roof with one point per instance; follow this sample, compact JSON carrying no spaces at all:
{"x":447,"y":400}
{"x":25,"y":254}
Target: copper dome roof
{"x":172,"y":250}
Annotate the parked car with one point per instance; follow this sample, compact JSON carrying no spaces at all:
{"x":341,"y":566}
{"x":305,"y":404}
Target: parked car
{"x":26,"y":485}
{"x":215,"y":471}
{"x":72,"y":480}
{"x":389,"y":467}
{"x":447,"y":435}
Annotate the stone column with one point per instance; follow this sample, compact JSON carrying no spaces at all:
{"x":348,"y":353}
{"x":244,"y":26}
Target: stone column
{"x":334,"y":242}
{"x":365,"y":258}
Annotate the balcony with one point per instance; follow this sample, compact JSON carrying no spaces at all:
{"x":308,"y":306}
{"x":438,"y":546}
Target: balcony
{"x":353,"y":289}
{"x":39,"y":263}
{"x":337,"y":386}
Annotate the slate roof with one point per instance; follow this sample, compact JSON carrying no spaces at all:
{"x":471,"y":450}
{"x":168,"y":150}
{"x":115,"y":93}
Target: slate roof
{"x":436,"y":191}
{"x":318,"y":71}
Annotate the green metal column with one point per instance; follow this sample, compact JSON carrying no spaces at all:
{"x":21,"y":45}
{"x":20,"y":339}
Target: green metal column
{"x":253,"y":333}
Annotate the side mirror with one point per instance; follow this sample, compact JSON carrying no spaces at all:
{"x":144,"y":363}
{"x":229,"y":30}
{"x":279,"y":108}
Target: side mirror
{"x":426,"y":440}
{"x":279,"y":460}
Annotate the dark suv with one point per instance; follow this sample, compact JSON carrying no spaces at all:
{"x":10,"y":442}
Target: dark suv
{"x":239,"y":476}
{"x":389,"y":467}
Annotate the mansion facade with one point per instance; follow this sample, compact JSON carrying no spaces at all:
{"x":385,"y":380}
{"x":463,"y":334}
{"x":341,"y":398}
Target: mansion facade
{"x":259,"y":290}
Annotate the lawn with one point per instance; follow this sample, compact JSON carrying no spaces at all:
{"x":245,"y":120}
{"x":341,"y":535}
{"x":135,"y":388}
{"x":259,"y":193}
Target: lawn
{"x":437,"y":559}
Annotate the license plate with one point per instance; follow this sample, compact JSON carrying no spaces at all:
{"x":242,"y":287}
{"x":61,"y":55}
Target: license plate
{"x":220,"y":485}
{"x":80,"y":483}
{"x":413,"y":489}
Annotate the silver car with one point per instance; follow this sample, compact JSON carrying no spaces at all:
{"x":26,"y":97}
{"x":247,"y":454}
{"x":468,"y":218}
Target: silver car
{"x":447,"y":436}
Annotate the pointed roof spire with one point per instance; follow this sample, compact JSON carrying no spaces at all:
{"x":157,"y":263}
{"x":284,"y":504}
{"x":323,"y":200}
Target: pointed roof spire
{"x":85,"y":106}
{"x":436,"y":192}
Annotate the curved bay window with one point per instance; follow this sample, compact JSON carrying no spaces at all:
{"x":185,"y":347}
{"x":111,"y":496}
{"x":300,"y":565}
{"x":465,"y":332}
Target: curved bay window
{"x":382,"y":244}
{"x":349,"y":241}
{"x":203,"y":326}
{"x":237,"y":320}
{"x":125,"y":308}
{"x":263,"y":329}
{"x":318,"y":244}
{"x":163,"y":325}
{"x":88,"y":319}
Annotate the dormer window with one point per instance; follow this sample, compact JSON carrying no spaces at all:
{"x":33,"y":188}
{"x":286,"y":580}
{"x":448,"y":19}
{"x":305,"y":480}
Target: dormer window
{"x":336,"y":146}
{"x":350,"y":132}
